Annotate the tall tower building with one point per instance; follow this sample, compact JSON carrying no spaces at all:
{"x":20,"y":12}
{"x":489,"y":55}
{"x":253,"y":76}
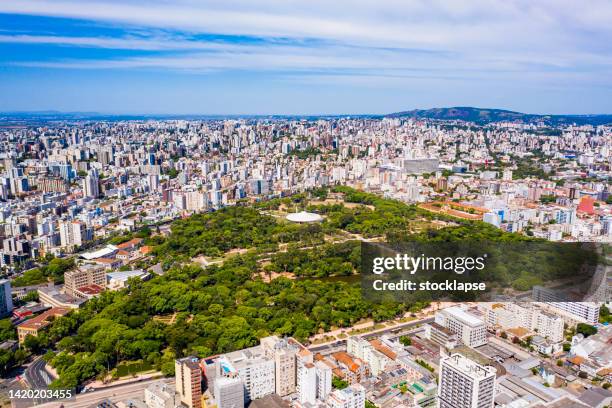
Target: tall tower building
{"x":284,"y":354}
{"x":465,"y":384}
{"x":189,"y":381}
{"x":229,"y":392}
{"x":91,"y":186}
{"x":6,"y":301}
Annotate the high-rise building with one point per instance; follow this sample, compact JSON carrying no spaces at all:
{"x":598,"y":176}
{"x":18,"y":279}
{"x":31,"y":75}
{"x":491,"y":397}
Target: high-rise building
{"x":324,"y":380}
{"x":91,"y":185}
{"x":189,"y":382}
{"x":465,"y":384}
{"x":284,"y":354}
{"x":82,"y":276}
{"x":6,"y":300}
{"x":307,"y":383}
{"x":255,"y":370}
{"x":580,"y":312}
{"x":470,"y":329}
{"x":153,"y":182}
{"x":229,"y":392}
{"x":74,"y":233}
{"x":350,"y":397}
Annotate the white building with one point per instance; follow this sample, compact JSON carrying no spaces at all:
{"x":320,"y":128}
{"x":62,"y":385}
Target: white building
{"x":465,"y":384}
{"x":350,"y":397}
{"x":512,"y":315}
{"x":254,"y":369}
{"x":373,"y":352}
{"x":229,"y":392}
{"x":307,"y":383}
{"x":470,"y":329}
{"x":91,"y":186}
{"x":74,"y":233}
{"x":160,"y":395}
{"x":324,"y":380}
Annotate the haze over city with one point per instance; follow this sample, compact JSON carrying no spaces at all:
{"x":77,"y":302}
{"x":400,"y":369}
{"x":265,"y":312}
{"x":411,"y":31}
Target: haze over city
{"x":279,"y":57}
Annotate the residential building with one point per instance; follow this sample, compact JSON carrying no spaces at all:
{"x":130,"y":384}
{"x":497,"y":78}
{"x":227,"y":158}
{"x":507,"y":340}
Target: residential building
{"x":350,"y":397}
{"x":189,"y":381}
{"x":465,"y":384}
{"x":83,"y":276}
{"x":284,"y":353}
{"x":229,"y":392}
{"x":160,"y":395}
{"x":469,"y":328}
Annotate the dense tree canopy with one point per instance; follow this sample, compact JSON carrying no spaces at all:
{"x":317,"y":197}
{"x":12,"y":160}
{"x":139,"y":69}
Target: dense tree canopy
{"x":227,"y":305}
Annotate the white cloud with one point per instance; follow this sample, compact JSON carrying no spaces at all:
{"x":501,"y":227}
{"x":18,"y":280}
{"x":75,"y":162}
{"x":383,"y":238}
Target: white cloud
{"x":472,"y":38}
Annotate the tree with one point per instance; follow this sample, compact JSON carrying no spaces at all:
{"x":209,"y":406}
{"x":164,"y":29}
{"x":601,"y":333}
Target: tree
{"x":32,"y":343}
{"x":406,"y":341}
{"x":604,"y":315}
{"x":586,"y":329}
{"x":339,"y":383}
{"x":7,"y":330}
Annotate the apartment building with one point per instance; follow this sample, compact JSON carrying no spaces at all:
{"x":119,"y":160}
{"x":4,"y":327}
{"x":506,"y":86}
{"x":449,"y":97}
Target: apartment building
{"x":469,"y":328}
{"x":350,"y":397}
{"x":513,"y":315}
{"x":189,"y":381}
{"x":83,"y":276}
{"x":229,"y":392}
{"x":441,"y":335}
{"x":254,"y":369}
{"x":572,"y":312}
{"x":465,"y":384}
{"x":284,"y":353}
{"x":374,"y":353}
{"x":160,"y":395}
{"x":307,"y":382}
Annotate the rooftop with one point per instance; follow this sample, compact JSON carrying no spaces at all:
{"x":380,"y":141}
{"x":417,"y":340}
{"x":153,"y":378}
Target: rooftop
{"x":465,"y":317}
{"x":304,"y":216}
{"x":468,"y":366}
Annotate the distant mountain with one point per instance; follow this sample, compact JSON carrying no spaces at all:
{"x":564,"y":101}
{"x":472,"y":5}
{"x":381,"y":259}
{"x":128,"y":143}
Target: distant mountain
{"x":483,"y":116}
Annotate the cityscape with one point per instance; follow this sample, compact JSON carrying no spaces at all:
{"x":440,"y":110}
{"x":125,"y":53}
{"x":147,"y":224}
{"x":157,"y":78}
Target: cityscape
{"x":91,"y":206}
{"x":305,"y":205}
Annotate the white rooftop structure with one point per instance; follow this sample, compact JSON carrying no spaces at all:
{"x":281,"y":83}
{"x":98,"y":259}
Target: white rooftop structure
{"x":119,"y":279}
{"x":303,"y":217}
{"x":463,"y":316}
{"x":100,"y":253}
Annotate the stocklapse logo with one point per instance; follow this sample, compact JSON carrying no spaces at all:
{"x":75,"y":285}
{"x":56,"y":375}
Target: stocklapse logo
{"x":484,"y":271}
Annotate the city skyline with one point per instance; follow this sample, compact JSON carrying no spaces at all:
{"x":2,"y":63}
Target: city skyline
{"x":234,"y":59}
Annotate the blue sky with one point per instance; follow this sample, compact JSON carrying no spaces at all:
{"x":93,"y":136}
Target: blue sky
{"x":305,"y":57}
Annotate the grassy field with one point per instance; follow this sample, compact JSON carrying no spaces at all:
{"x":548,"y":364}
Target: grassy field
{"x":125,"y":369}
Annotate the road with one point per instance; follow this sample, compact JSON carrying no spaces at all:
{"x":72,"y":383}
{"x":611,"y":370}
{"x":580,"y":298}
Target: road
{"x":341,"y":344}
{"x":36,"y":375}
{"x":114,"y":393}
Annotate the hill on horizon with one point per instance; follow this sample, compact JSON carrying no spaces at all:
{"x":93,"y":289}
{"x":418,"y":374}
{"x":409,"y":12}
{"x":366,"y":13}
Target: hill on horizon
{"x":485,"y":115}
